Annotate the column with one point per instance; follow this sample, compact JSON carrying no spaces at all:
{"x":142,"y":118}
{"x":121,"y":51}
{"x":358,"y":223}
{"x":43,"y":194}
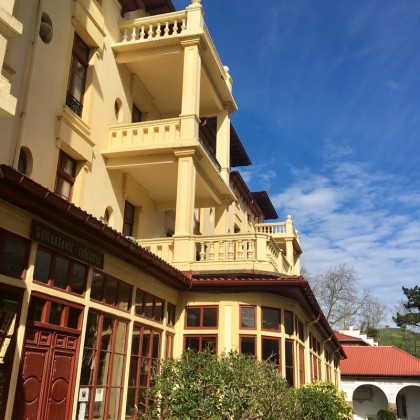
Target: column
{"x":221,"y":217}
{"x":223,"y":143}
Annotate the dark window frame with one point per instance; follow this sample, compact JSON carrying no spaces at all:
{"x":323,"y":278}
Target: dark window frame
{"x":128,"y":220}
{"x":200,"y":338}
{"x":279,"y":342}
{"x":62,"y":176}
{"x":4,"y":235}
{"x":289,"y":316}
{"x":263,"y":308}
{"x":289,"y":345}
{"x":244,"y":336}
{"x":143,"y":307}
{"x":241,"y":326}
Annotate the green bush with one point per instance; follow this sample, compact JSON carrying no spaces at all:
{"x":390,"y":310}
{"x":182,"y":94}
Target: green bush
{"x":385,"y":415}
{"x":316,"y":406}
{"x":231,"y":386}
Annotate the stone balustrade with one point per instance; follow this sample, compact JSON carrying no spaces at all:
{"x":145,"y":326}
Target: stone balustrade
{"x":150,"y":133}
{"x":169,"y":25}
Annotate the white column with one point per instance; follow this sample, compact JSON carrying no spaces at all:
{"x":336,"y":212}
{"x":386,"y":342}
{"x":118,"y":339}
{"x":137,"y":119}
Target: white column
{"x":221,"y":217}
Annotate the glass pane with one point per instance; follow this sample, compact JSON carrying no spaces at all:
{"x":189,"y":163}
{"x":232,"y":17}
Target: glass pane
{"x":192,"y":343}
{"x":91,"y":330}
{"x":248,"y":345}
{"x":155,"y":348}
{"x":99,"y":404}
{"x":64,"y":190}
{"x":78,"y":81}
{"x":136,"y":340}
{"x":77,"y":279}
{"x":97,"y":286}
{"x":132,"y":375}
{"x":74,"y":317}
{"x":271,"y":318}
{"x":158,"y":310}
{"x":288,"y":322}
{"x":103,"y":367}
{"x":55,"y":313}
{"x":289,"y":353}
{"x":68,"y":165}
{"x":42,"y":265}
{"x":209,"y":317}
{"x":170,"y":314}
{"x":139,"y":302}
{"x":129,"y":410}
{"x":110,"y":291}
{"x":114,"y":403}
{"x":13,"y":257}
{"x":209,"y":343}
{"x":270,"y":350}
{"x":124,"y":296}
{"x":120,"y":337}
{"x":117,"y":370}
{"x":148,"y":305}
{"x":61,"y":272}
{"x":106,"y":337}
{"x":35,"y":309}
{"x":88,"y":365}
{"x":247,"y":317}
{"x":146,"y":343}
{"x":193,"y":317}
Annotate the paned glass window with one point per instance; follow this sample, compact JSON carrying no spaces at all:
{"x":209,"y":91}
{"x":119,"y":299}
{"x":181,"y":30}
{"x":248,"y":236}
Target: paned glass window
{"x":201,"y":317}
{"x":66,"y":176}
{"x":290,"y":362}
{"x":128,"y":226}
{"x":103,"y":363}
{"x":14,"y":254}
{"x":248,"y":345}
{"x":289,"y":324}
{"x":271,"y":349}
{"x":200,"y":342}
{"x":271,"y":319}
{"x":111,"y":291}
{"x":149,"y":306}
{"x":170,"y":314}
{"x":59,"y":271}
{"x":247,"y":316}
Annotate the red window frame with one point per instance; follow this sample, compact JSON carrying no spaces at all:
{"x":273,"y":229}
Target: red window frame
{"x":254,"y":339}
{"x":200,"y":338}
{"x":300,"y":330}
{"x":289,"y":328}
{"x":72,"y":263}
{"x":64,"y":177}
{"x":119,"y":284}
{"x":265,"y":308}
{"x":289,"y":360}
{"x":170,"y":314}
{"x":141,"y":307}
{"x":26,"y":246}
{"x":241,"y":326}
{"x":278,"y":340}
{"x":201,"y":317}
{"x":95,"y":347}
{"x":301,"y":350}
{"x":144,"y":358}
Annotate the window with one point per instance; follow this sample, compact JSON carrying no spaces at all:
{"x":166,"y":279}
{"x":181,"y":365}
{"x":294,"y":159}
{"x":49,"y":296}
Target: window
{"x":145,"y":351}
{"x":66,"y":176}
{"x":301,"y":333}
{"x":102,"y":367}
{"x":201,"y":317}
{"x":271,"y":319}
{"x":170,"y":314}
{"x":247,"y":345}
{"x":128,"y":225}
{"x":149,"y":306}
{"x":169,"y":345}
{"x":111,"y":291}
{"x":247,"y":316}
{"x":59,"y":271}
{"x":77,"y":77}
{"x":271,"y":350}
{"x":289,"y":325}
{"x":200,"y":342}
{"x":290,"y":362}
{"x":14,"y":254}
{"x":135,"y":114}
{"x":9,"y":314}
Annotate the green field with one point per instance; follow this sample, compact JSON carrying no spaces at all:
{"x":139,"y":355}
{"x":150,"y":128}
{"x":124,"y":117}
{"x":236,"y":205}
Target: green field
{"x":404,"y":339}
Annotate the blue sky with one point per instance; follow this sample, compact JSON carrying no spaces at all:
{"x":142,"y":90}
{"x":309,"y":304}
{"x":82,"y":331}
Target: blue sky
{"x":329,"y":112}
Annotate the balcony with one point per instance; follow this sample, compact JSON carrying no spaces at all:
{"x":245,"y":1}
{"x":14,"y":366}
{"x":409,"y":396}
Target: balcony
{"x":245,"y":252}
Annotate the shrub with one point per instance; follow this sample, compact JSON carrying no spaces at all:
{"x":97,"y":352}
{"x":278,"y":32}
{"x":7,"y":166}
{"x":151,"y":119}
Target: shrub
{"x":231,"y":386}
{"x":323,"y":401}
{"x":385,"y":415}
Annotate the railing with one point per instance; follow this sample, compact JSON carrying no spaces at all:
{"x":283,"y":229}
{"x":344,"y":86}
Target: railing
{"x":279,"y":228}
{"x":74,"y":104}
{"x":162,"y":247}
{"x":169,"y":25}
{"x":150,"y":133}
{"x":209,"y":151}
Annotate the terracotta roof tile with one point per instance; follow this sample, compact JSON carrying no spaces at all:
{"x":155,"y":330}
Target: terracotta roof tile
{"x":379,"y":361}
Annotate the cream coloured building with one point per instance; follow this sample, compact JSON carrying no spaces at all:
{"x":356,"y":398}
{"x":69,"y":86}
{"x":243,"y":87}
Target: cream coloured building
{"x":127,"y":233}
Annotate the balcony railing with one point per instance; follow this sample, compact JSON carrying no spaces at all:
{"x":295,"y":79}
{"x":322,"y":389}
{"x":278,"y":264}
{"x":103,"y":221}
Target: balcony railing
{"x":74,"y":104}
{"x":224,"y":252}
{"x":209,"y":151}
{"x":279,"y":229}
{"x":169,"y":25}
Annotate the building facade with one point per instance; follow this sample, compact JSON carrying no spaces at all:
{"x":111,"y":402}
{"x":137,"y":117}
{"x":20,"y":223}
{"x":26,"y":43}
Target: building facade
{"x":127,"y":233}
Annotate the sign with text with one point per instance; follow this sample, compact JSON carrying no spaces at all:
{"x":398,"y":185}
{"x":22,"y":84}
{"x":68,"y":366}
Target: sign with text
{"x":66,"y":244}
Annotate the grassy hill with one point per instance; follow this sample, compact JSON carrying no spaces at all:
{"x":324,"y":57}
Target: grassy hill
{"x":403,"y":339}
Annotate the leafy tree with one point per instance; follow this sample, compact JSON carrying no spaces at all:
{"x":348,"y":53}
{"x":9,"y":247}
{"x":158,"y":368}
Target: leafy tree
{"x":410,"y":316}
{"x":231,"y":386}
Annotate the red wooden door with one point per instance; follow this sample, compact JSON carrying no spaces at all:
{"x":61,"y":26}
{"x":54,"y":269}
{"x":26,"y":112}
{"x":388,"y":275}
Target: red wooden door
{"x":46,"y":383}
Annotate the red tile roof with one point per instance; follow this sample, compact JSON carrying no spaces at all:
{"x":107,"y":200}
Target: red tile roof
{"x":379,"y":361}
{"x":345,"y":339}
